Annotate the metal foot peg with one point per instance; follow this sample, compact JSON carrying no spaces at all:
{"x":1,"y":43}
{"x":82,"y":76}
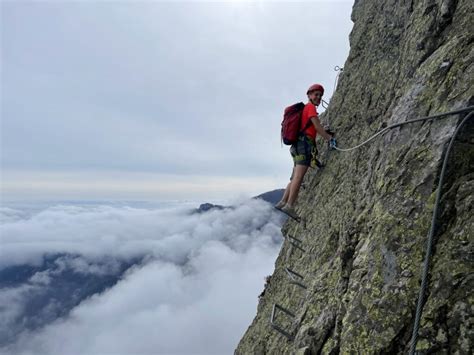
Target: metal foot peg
{"x":275,"y":326}
{"x":295,"y":278}
{"x":296,"y":243}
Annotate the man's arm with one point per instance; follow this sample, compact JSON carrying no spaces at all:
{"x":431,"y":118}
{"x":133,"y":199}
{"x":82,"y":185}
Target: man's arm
{"x":320,"y":128}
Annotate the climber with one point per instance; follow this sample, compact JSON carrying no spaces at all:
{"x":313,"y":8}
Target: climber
{"x":302,"y":151}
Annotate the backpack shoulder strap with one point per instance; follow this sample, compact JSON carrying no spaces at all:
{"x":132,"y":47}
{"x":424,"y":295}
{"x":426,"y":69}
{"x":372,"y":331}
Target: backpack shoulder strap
{"x":308,"y":124}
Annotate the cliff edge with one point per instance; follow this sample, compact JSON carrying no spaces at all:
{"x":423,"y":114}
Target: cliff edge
{"x":347,"y":278}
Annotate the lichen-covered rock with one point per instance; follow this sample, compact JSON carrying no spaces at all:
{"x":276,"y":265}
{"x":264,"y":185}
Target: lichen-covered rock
{"x":368,"y":212}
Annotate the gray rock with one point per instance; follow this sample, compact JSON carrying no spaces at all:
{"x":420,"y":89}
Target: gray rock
{"x":368,"y":213}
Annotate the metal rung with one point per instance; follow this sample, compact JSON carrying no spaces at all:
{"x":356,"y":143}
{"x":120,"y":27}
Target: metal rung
{"x":292,"y":275}
{"x":295,"y":239}
{"x":297,"y":247}
{"x":276,"y":327}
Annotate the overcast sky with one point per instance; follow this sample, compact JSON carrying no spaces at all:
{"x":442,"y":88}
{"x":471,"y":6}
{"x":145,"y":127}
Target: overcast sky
{"x":157,"y":100}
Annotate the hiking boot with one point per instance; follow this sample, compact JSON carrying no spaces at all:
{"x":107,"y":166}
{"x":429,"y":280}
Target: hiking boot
{"x":280,"y":205}
{"x":290,"y":211}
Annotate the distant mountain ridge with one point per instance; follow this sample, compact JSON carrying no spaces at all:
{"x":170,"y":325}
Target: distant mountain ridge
{"x":270,"y":196}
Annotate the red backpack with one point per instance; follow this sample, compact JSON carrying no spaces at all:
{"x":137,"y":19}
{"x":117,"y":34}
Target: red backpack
{"x":291,"y":124}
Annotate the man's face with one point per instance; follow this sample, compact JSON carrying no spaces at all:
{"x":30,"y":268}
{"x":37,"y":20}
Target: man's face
{"x":315,"y":97}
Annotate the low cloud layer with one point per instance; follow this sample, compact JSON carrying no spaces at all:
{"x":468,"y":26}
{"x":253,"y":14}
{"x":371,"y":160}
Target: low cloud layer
{"x":180,"y":282}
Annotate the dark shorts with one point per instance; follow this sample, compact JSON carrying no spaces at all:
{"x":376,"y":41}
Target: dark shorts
{"x":302,"y":151}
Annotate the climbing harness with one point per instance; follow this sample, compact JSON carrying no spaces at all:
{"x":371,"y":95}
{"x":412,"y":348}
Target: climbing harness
{"x":315,"y":163}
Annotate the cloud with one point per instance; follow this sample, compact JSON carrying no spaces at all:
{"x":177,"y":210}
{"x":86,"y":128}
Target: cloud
{"x":191,"y":286}
{"x":10,"y":215}
{"x":94,"y":231}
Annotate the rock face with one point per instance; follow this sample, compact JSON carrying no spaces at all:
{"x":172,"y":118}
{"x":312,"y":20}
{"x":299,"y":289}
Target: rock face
{"x":367,"y":214}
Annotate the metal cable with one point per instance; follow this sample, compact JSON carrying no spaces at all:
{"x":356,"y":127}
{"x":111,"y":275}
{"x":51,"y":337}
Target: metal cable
{"x":339,"y":71}
{"x":441,"y":115}
{"x":429,"y":243}
{"x":326,"y":104}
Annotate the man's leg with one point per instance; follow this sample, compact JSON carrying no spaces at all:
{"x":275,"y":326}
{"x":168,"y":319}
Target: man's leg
{"x":284,"y":199}
{"x":286,"y":194}
{"x":295,"y":184}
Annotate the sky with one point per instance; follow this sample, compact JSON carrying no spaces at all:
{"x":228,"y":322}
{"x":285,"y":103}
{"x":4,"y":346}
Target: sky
{"x":192,"y":286}
{"x":155,"y":100}
{"x":121,"y":101}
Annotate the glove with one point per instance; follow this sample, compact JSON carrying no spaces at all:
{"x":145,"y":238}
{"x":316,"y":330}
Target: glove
{"x":332,"y":143}
{"x":329,"y":130}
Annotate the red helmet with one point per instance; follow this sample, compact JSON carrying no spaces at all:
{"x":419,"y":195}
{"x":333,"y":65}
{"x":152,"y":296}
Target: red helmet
{"x":315,"y":87}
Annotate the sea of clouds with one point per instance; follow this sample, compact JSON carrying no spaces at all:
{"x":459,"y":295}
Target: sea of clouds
{"x":115,"y":279}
